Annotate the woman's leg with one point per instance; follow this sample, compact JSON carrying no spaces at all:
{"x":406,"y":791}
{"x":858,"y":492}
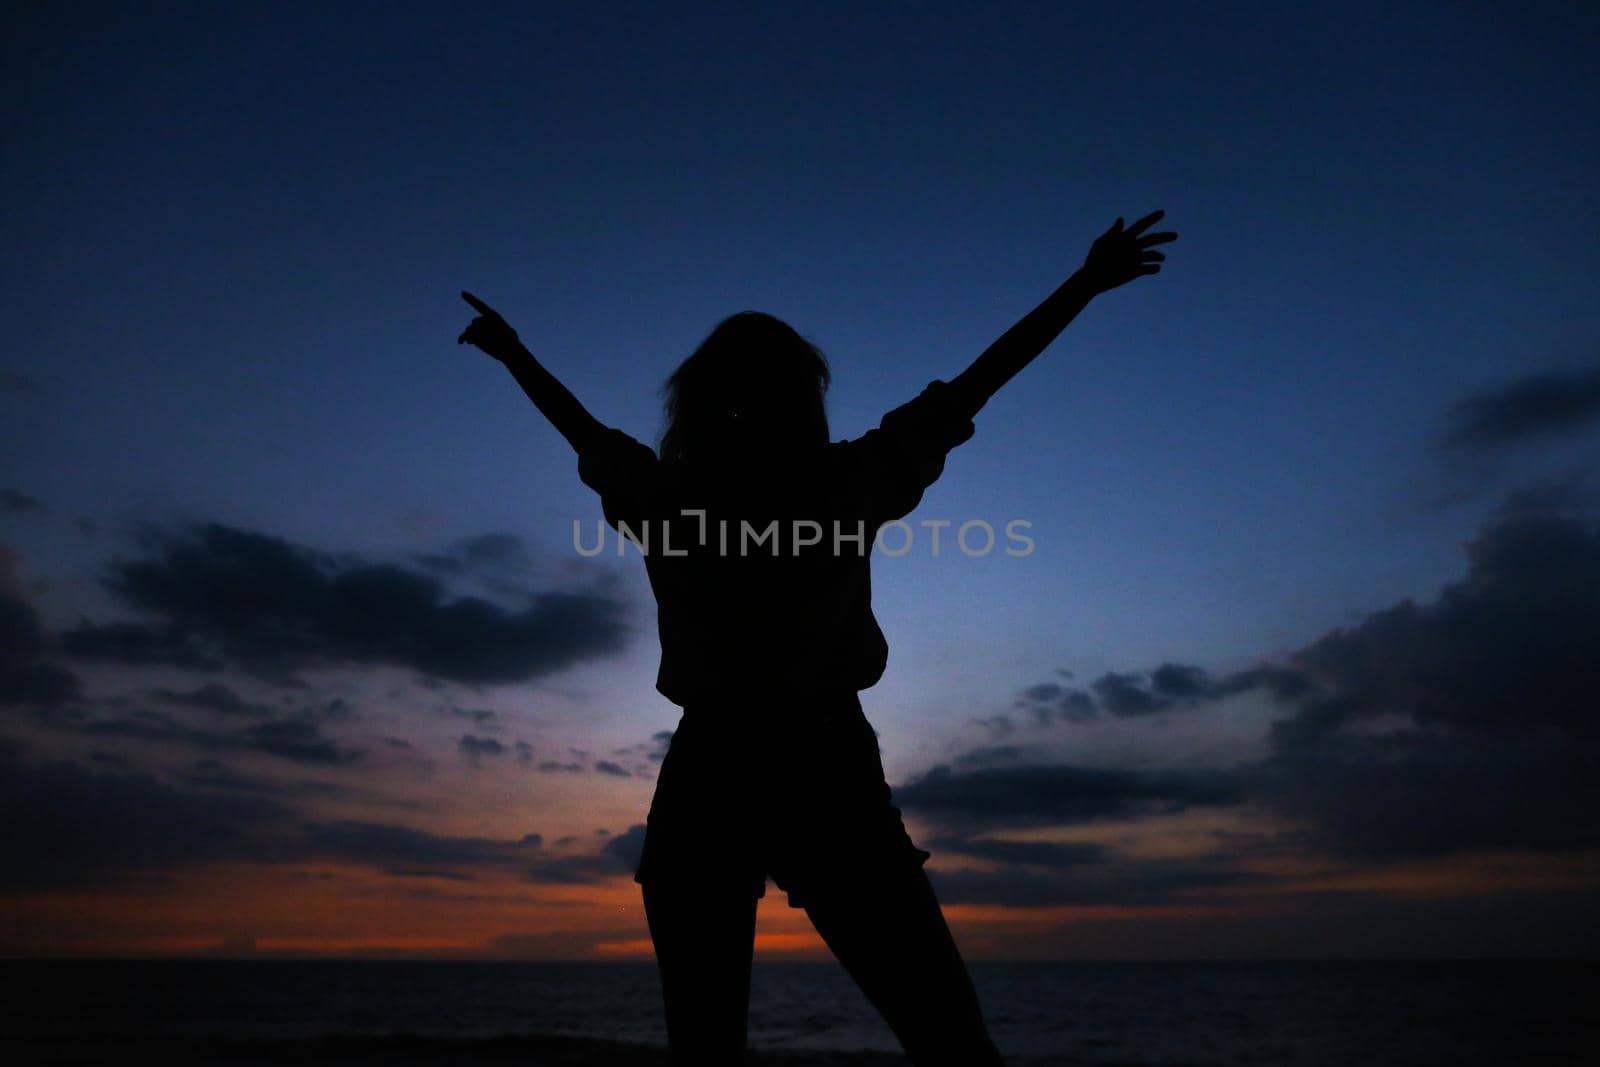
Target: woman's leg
{"x":704,"y":935}
{"x":891,"y":936}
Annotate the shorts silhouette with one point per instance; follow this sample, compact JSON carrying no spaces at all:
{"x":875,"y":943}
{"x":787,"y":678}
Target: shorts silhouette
{"x":797,"y":793}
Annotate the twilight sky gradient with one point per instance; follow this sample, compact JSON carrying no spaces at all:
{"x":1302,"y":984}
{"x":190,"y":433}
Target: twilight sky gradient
{"x":297,"y":656}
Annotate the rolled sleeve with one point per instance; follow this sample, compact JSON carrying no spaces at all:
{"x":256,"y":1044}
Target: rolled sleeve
{"x":892,"y":465}
{"x":624,"y":471}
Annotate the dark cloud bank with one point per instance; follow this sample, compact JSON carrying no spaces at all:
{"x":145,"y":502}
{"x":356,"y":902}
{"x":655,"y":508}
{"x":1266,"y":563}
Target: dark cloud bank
{"x":1538,"y":406}
{"x":64,"y":825}
{"x":216,"y":596}
{"x":1466,"y":723}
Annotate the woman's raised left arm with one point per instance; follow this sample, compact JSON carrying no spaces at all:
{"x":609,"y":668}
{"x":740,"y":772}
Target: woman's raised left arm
{"x":1117,"y":257}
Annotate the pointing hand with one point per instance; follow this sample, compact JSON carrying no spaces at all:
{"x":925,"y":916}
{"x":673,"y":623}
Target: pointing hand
{"x":489,"y":332}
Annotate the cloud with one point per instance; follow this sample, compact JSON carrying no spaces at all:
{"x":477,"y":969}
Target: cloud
{"x":1176,"y":681}
{"x":484,"y":718}
{"x":999,"y":725}
{"x":1123,"y":694}
{"x":410,"y":852}
{"x":1509,"y":647}
{"x":653,"y":750}
{"x":1128,"y":884}
{"x":486,"y":553}
{"x":616,"y":770}
{"x":1131,"y":694}
{"x":1053,"y":854}
{"x":603,"y":857}
{"x":497,"y":562}
{"x":1539,"y":405}
{"x":989,"y":756}
{"x":1045,"y":794}
{"x":476,"y":748}
{"x":13,"y":382}
{"x":213,"y":697}
{"x":26,"y":675}
{"x":297,"y":739}
{"x":210,"y":773}
{"x":141,"y":644}
{"x":404,"y":850}
{"x":626,"y":848}
{"x":1467,"y":722}
{"x":1058,"y":873}
{"x":16,"y":502}
{"x":660,"y":742}
{"x":220,"y":596}
{"x":1574,"y":496}
{"x":63,"y":825}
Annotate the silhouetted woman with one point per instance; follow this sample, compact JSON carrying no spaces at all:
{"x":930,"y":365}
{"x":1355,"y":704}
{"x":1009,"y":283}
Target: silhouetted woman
{"x":757,"y":532}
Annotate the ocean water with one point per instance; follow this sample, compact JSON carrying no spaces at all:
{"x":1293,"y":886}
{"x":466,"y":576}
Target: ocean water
{"x":1337,"y":1014}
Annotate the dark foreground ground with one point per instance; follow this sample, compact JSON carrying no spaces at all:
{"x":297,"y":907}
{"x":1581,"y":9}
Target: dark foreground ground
{"x":404,"y":1052}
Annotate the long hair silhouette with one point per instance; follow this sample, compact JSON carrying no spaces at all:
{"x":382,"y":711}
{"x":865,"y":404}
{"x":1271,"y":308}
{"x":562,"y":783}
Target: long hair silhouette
{"x":753,"y":382}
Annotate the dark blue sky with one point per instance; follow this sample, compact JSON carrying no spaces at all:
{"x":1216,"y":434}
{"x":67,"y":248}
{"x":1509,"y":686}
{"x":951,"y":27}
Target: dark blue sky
{"x":235,"y":236}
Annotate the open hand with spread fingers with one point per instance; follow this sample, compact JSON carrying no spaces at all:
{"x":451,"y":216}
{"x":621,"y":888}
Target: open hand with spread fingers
{"x":489,"y":331}
{"x":1120,"y":255}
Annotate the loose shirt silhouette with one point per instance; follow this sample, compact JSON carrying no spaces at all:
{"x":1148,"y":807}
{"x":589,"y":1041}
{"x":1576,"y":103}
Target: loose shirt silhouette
{"x":742,"y":603}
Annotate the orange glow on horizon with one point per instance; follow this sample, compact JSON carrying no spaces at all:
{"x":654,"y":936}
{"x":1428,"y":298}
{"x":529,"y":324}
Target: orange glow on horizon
{"x":331,"y":911}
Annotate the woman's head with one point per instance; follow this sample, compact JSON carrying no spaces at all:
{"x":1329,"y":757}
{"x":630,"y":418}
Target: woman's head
{"x":754,"y":386}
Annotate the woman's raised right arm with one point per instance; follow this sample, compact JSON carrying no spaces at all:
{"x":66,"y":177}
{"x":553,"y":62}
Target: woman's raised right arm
{"x":494,"y":336}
